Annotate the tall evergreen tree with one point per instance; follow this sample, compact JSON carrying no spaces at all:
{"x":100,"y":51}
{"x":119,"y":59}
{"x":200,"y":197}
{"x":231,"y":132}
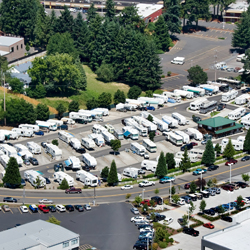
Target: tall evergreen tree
{"x":185,"y":162}
{"x":74,"y":106}
{"x":229,"y":151}
{"x":161,"y":169}
{"x":246,"y":60}
{"x":42,"y":112}
{"x":81,"y":81}
{"x":110,"y":9}
{"x":208,"y":157}
{"x":119,"y":97}
{"x":65,"y":22}
{"x":170,"y":160}
{"x":91,"y":14}
{"x":112,"y":177}
{"x":12,"y":175}
{"x":161,"y":35}
{"x":247,"y":142}
{"x":52,"y":23}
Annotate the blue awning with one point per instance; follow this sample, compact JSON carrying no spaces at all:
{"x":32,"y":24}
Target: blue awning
{"x":127,"y":133}
{"x":68,"y":163}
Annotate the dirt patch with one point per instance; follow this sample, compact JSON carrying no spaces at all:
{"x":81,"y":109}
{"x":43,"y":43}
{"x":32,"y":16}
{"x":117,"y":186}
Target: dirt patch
{"x":6,"y":127}
{"x":172,"y":74}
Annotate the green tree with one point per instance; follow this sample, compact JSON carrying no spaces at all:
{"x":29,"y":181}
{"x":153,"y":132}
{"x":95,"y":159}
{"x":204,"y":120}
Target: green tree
{"x":203,"y":206}
{"x":105,"y":172}
{"x":52,"y":219}
{"x":208,"y":157}
{"x":145,"y":208}
{"x":175,"y":198}
{"x":157,"y":191}
{"x":247,"y":142}
{"x":149,"y":93}
{"x":138,"y":200}
{"x":81,"y":82}
{"x":91,"y":14}
{"x":42,"y":112}
{"x":64,"y":184}
{"x":104,"y":99}
{"x":152,"y":203}
{"x":229,"y":151}
{"x":185,"y":220}
{"x":245,"y":177}
{"x":105,"y":72}
{"x":197,"y":76}
{"x":65,"y":22}
{"x":161,"y":35}
{"x":110,"y":9}
{"x":92,"y":103}
{"x":55,"y":142}
{"x":191,"y":208}
{"x":185,"y":162}
{"x":115,"y":145}
{"x":161,"y":169}
{"x":160,"y":234}
{"x":217,"y":149}
{"x":193,"y":187}
{"x":12,"y":175}
{"x":170,"y":161}
{"x":134,"y":92}
{"x":37,"y":182}
{"x":173,"y":190}
{"x":112,"y":178}
{"x":119,"y":97}
{"x":151,"y":135}
{"x":74,"y":106}
{"x":210,"y":183}
{"x":37,"y":91}
{"x":150,"y":118}
{"x":16,"y":85}
{"x":239,"y":202}
{"x":60,"y":109}
{"x":221,"y":210}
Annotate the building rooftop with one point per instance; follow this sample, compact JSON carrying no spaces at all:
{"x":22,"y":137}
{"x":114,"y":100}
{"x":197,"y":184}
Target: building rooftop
{"x":33,"y":234}
{"x":239,"y":6}
{"x":8,"y":40}
{"x":237,"y":126}
{"x":3,"y":53}
{"x":216,"y":122}
{"x":145,"y":10}
{"x":21,"y":68}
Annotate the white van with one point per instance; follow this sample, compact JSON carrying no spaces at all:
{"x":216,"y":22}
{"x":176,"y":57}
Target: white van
{"x":178,"y":60}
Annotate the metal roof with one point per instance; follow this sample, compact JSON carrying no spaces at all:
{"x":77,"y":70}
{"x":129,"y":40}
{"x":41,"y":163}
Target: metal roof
{"x":216,"y":122}
{"x":237,"y":126}
{"x":35,"y":233}
{"x":145,"y":10}
{"x":8,"y":40}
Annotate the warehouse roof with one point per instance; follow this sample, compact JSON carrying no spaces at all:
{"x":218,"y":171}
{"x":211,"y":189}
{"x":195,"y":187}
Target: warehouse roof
{"x":216,"y":122}
{"x":145,"y":10}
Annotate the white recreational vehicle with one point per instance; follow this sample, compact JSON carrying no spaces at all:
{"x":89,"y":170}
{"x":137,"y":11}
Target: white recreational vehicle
{"x":180,"y":118}
{"x":73,"y":162}
{"x":88,"y":179}
{"x":34,"y":128}
{"x":151,"y":101}
{"x":4,"y":159}
{"x":236,"y":114}
{"x":184,"y":93}
{"x":172,"y":96}
{"x":108,"y":137}
{"x":211,"y":88}
{"x":23,"y":132}
{"x":23,"y":151}
{"x":79,"y":116}
{"x":146,"y":123}
{"x":192,"y":157}
{"x":130,"y":132}
{"x":178,"y":60}
{"x":57,"y":122}
{"x":89,"y":160}
{"x":228,"y":96}
{"x":60,"y":176}
{"x":88,"y":143}
{"x":195,"y":105}
{"x":245,"y":121}
{"x":46,"y":125}
{"x":75,"y":143}
{"x":165,"y":98}
{"x":161,"y":125}
{"x":65,"y":136}
{"x":68,"y":121}
{"x":104,"y":110}
{"x":110,"y":128}
{"x":149,"y":145}
{"x":119,"y":106}
{"x":54,"y":151}
{"x":196,"y":90}
{"x":208,"y":106}
{"x":2,"y":137}
{"x":242,"y":99}
{"x":31,"y":176}
{"x":137,"y":148}
{"x":11,"y":152}
{"x":172,"y":123}
{"x":131,"y":172}
{"x":241,"y":138}
{"x":98,"y":139}
{"x":149,"y":165}
{"x":197,"y":151}
{"x":118,"y":134}
{"x":185,"y":137}
{"x":238,"y":145}
{"x":196,"y":133}
{"x":34,"y":148}
{"x":98,"y":129}
{"x":174,"y":138}
{"x":9,"y":134}
{"x":141,"y":129}
{"x":87,"y":116}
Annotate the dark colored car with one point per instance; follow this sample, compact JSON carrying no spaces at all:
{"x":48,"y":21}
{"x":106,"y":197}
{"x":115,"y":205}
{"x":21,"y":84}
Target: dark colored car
{"x":241,"y":184}
{"x":227,"y":187}
{"x":39,"y":133}
{"x":63,"y":127}
{"x":231,"y":161}
{"x":212,"y":167}
{"x":43,"y":144}
{"x":79,"y":208}
{"x":221,"y":106}
{"x":187,"y":146}
{"x":23,"y":183}
{"x":245,"y":158}
{"x":227,"y":218}
{"x":81,"y":150}
{"x":69,"y":208}
{"x":86,"y":168}
{"x":140,"y":245}
{"x":246,"y":90}
{"x":9,"y":199}
{"x":51,"y":208}
{"x":151,"y":108}
{"x":157,"y":199}
{"x":73,"y":190}
{"x":196,"y":118}
{"x":143,"y":226}
{"x":160,"y":217}
{"x":187,"y":186}
{"x":33,"y":161}
{"x":209,"y":211}
{"x":190,"y":231}
{"x":81,"y":121}
{"x":180,"y":221}
{"x":47,"y":180}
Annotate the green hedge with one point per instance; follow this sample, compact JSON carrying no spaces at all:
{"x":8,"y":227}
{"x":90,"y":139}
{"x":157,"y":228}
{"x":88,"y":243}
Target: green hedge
{"x":157,"y":224}
{"x":173,"y":170}
{"x":195,"y":164}
{"x":128,"y":179}
{"x":219,"y":158}
{"x":148,"y":176}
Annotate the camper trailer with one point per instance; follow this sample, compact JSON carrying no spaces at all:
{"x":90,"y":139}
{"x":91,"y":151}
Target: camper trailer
{"x":89,"y":160}
{"x":146,"y":123}
{"x":60,"y":176}
{"x":118,"y":134}
{"x":164,"y":98}
{"x":197,"y":151}
{"x":65,"y":136}
{"x":149,"y":145}
{"x":2,"y":137}
{"x":108,"y":137}
{"x":57,"y":122}
{"x":172,"y":96}
{"x":172,"y":123}
{"x":208,"y":106}
{"x":98,"y":139}
{"x":23,"y":132}
{"x":68,"y":121}
{"x":174,"y":138}
{"x":211,"y":88}
{"x":75,"y":143}
{"x":98,"y":129}
{"x":137,"y":148}
{"x":23,"y":151}
{"x":131,"y":172}
{"x":54,"y":151}
{"x":151,"y":101}
{"x":83,"y":118}
{"x":34,"y":128}
{"x":34,"y":148}
{"x":195,"y":105}
{"x":8,"y":134}
{"x":133,"y":123}
{"x":196,"y":134}
{"x":88,"y":179}
{"x":104,"y":110}
{"x":120,"y":107}
{"x":196,"y":90}
{"x":11,"y":152}
{"x":237,"y":113}
{"x":184,"y":93}
{"x":73,"y":162}
{"x":192,"y":157}
{"x":87,"y":116}
{"x":161,"y":125}
{"x":226,"y":97}
{"x":180,"y":118}
{"x":32,"y":175}
{"x":110,"y":128}
{"x":185,"y":137}
{"x":238,"y":145}
{"x":149,"y":165}
{"x":46,"y":125}
{"x":242,"y":99}
{"x":88,"y":143}
{"x":4,"y":159}
{"x":130,"y":132}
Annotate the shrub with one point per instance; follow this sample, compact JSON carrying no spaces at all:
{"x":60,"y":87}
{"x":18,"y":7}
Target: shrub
{"x":219,"y":158}
{"x":86,"y":187}
{"x":162,"y":244}
{"x":162,"y":76}
{"x":148,"y":176}
{"x":159,"y":51}
{"x":1,"y":184}
{"x":157,"y":224}
{"x":195,"y":164}
{"x":128,"y":179}
{"x":169,"y":73}
{"x":173,"y":170}
{"x":179,"y":230}
{"x":221,"y":38}
{"x":55,"y":142}
{"x":155,"y":246}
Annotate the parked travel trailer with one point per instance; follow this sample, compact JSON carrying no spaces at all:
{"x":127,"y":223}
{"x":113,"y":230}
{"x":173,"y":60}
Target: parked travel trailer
{"x":196,"y":90}
{"x":110,"y":128}
{"x":195,"y":105}
{"x":223,"y":87}
{"x":130,"y":132}
{"x":151,"y":101}
{"x":197,"y":151}
{"x":87,"y":116}
{"x":131,"y":172}
{"x":245,"y":121}
{"x":172,"y":123}
{"x":238,"y":145}
{"x":98,"y":139}
{"x":23,"y":151}
{"x":137,"y":148}
{"x":57,"y":122}
{"x":34,"y":128}
{"x":8,"y":134}
{"x":75,"y":143}
{"x":68,"y":121}
{"x":178,"y":60}
{"x":2,"y":137}
{"x":104,"y":110}
{"x":184,"y":93}
{"x":118,"y":134}
{"x":149,"y":165}
{"x":108,"y":137}
{"x":98,"y":129}
{"x":65,"y":136}
{"x":79,"y":116}
{"x":180,"y":118}
{"x":89,"y":160}
{"x":137,"y":103}
{"x":46,"y":125}
{"x":130,"y":107}
{"x":208,"y":106}
{"x":240,"y":57}
{"x":165,"y":98}
{"x":229,"y":95}
{"x":161,"y":125}
{"x":11,"y":152}
{"x":172,"y":95}
{"x":211,"y":88}
{"x":237,"y":113}
{"x":174,"y":138}
{"x":242,"y":99}
{"x":119,"y":106}
{"x":32,"y":175}
{"x":88,"y":143}
{"x":196,"y":133}
{"x":149,"y":145}
{"x":241,"y":138}
{"x":23,"y":132}
{"x":185,"y":137}
{"x":4,"y":159}
{"x":192,"y":157}
{"x":177,"y":162}
{"x":34,"y":148}
{"x":54,"y":151}
{"x":60,"y":176}
{"x":88,"y":179}
{"x":73,"y":162}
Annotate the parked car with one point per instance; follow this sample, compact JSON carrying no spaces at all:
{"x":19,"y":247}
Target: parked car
{"x":39,"y":133}
{"x":234,"y":185}
{"x":157,"y":199}
{"x":146,"y":155}
{"x":208,"y":225}
{"x":209,"y":211}
{"x":73,"y":190}
{"x":194,"y":143}
{"x":60,"y":208}
{"x":81,"y":150}
{"x":47,"y":180}
{"x":186,"y":198}
{"x":227,"y":187}
{"x":150,"y":108}
{"x":142,"y":222}
{"x":190,"y":231}
{"x":51,"y":208}
{"x":79,"y":208}
{"x":187,"y":186}
{"x":26,"y":162}
{"x":187,"y":146}
{"x":141,"y":171}
{"x":69,"y":208}
{"x":134,"y":210}
{"x":33,"y":161}
{"x":33,"y":208}
{"x":180,"y":221}
{"x":198,"y":171}
{"x":137,"y":218}
{"x":159,"y":217}
{"x":233,"y":204}
{"x":246,"y":90}
{"x":246,"y":200}
{"x":221,"y":106}
{"x":9,"y":199}
{"x":204,"y":142}
{"x":212,"y":167}
{"x":24,"y":209}
{"x":231,"y":161}
{"x":217,"y":190}
{"x":127,"y":187}
{"x":43,"y":208}
{"x":140,"y":245}
{"x":63,"y":127}
{"x":227,"y":218}
{"x":6,"y":208}
{"x":45,"y":201}
{"x":242,"y":184}
{"x":245,"y":158}
{"x":23,"y":183}
{"x":145,"y":226}
{"x":87,"y":207}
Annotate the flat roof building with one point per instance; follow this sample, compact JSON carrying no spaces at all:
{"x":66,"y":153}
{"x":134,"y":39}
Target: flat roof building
{"x":149,"y":12}
{"x":233,"y":12}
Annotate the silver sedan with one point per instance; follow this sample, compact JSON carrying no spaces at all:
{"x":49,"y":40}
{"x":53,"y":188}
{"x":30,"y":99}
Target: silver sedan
{"x":45,"y":201}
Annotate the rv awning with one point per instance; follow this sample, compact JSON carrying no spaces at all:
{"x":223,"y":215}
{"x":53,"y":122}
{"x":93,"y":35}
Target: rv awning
{"x":195,"y":91}
{"x":68,"y":163}
{"x":127,"y":133}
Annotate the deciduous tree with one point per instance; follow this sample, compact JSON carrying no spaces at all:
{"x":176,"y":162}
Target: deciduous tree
{"x":52,"y":219}
{"x":245,"y":177}
{"x":138,"y":200}
{"x":92,"y":103}
{"x":134,"y":92}
{"x":16,"y":85}
{"x":197,"y":76}
{"x":64,"y":184}
{"x":193,"y":187}
{"x":60,"y":109}
{"x":203,"y":206}
{"x":104,"y":99}
{"x":105,"y":72}
{"x":115,"y":145}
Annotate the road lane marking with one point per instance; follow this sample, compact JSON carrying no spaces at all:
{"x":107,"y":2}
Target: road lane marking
{"x":11,"y":211}
{"x":19,"y":210}
{"x":203,"y":53}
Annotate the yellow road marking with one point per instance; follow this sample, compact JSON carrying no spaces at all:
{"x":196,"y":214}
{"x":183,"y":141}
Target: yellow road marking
{"x":203,"y":53}
{"x":30,"y":211}
{"x":11,"y":211}
{"x":19,"y":210}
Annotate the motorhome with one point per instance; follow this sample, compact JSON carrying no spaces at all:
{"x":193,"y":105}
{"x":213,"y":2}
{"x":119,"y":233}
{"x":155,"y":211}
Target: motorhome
{"x":46,"y":125}
{"x":220,"y":65}
{"x":87,"y":116}
{"x":137,"y":103}
{"x":98,"y":139}
{"x":118,"y":134}
{"x":65,"y":136}
{"x":192,"y":157}
{"x":34,"y":148}
{"x":95,"y":114}
{"x":130,"y":132}
{"x":238,"y":145}
{"x":211,"y":88}
{"x":228,"y":80}
{"x":23,"y":132}
{"x":88,"y":179}
{"x":88,"y":143}
{"x":172,"y":96}
{"x":79,"y":116}
{"x":110,"y":128}
{"x":242,"y":99}
{"x":241,"y":138}
{"x":197,"y":151}
{"x":60,"y":176}
{"x":8,"y":134}
{"x":196,"y":133}
{"x":196,"y":90}
{"x":4,"y":160}
{"x":68,"y":121}
{"x":178,"y":60}
{"x":34,"y":128}
{"x":2,"y":137}
{"x":108,"y":137}
{"x":237,"y":113}
{"x":130,"y":107}
{"x":151,"y":101}
{"x":104,"y":110}
{"x":89,"y":160}
{"x":75,"y":143}
{"x":229,"y":95}
{"x":142,"y":129}
{"x":11,"y":152}
{"x":31,"y":176}
{"x":137,"y":148}
{"x":23,"y":151}
{"x":195,"y":105}
{"x":54,"y":151}
{"x":184,"y":93}
{"x":149,"y":165}
{"x":131,"y":172}
{"x":208,"y":106}
{"x":73,"y":162}
{"x":172,"y":123}
{"x":119,"y":106}
{"x":185,"y":137}
{"x":165,"y":98}
{"x":223,"y":87}
{"x":161,"y":125}
{"x":174,"y":138}
{"x":98,"y":129}
{"x":149,"y":145}
{"x":180,"y":118}
{"x":57,"y":122}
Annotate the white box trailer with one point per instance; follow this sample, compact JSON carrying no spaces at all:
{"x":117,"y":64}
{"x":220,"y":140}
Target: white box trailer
{"x":149,"y":145}
{"x":89,"y":160}
{"x":118,"y":134}
{"x":108,"y":137}
{"x":23,"y":132}
{"x":184,"y":93}
{"x":98,"y":139}
{"x":172,"y":123}
{"x":185,"y":137}
{"x":60,"y":176}
{"x":31,"y":176}
{"x":75,"y":143}
{"x":241,"y":138}
{"x":34,"y":148}
{"x":195,"y":105}
{"x":57,"y":122}
{"x":246,"y":118}
{"x":146,"y":123}
{"x":65,"y":136}
{"x":11,"y":152}
{"x":228,"y":96}
{"x":242,"y":99}
{"x":238,"y":145}
{"x":46,"y":125}
{"x":4,"y":159}
{"x":54,"y":151}
{"x":88,"y":143}
{"x":180,"y":118}
{"x":164,"y":98}
{"x":137,"y":148}
{"x":196,"y":90}
{"x":68,"y":121}
{"x":98,"y":129}
{"x":76,"y":115}
{"x":34,"y":128}
{"x":73,"y":162}
{"x":161,"y":125}
{"x":151,"y":101}
{"x":172,"y":96}
{"x":196,"y":133}
{"x":88,"y":179}
{"x":174,"y":138}
{"x":237,"y":113}
{"x":211,"y":88}
{"x":130,"y":132}
{"x":130,"y":107}
{"x":131,"y":172}
{"x":149,"y":165}
{"x":104,"y":110}
{"x":192,"y":157}
{"x":137,"y":103}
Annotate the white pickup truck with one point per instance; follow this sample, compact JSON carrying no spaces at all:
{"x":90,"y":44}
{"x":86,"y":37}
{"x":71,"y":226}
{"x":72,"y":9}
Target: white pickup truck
{"x":146,"y":183}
